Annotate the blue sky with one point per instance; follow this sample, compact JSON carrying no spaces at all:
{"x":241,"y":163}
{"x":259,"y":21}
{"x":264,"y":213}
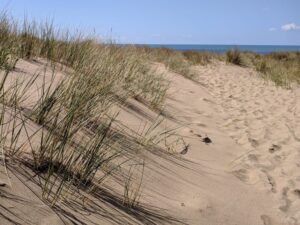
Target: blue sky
{"x":274,"y":22}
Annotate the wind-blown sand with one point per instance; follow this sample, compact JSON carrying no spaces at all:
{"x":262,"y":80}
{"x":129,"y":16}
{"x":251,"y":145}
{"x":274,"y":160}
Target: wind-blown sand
{"x":248,"y":175}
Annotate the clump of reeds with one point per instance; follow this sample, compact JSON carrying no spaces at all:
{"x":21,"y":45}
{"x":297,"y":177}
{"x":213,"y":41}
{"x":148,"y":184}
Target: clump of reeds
{"x":174,"y":60}
{"x":261,"y":66}
{"x":180,"y":62}
{"x":133,"y":185}
{"x":234,"y":56}
{"x":281,"y":67}
{"x":72,"y":115}
{"x":198,"y":58}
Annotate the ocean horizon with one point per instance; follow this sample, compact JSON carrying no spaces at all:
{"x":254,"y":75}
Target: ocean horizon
{"x":260,"y":49}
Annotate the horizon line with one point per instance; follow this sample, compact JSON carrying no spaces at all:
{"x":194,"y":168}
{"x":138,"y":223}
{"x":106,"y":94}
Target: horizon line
{"x":294,"y":45}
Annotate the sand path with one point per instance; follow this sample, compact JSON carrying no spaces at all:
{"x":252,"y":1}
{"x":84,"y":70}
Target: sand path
{"x":265,"y":121}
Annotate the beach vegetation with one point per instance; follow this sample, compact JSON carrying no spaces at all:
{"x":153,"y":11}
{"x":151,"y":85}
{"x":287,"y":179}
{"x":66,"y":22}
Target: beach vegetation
{"x":73,"y":144}
{"x":234,"y":56}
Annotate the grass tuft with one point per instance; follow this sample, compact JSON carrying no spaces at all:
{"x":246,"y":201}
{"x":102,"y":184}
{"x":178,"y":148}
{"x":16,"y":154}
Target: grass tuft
{"x":234,"y":56}
{"x":74,"y":139}
{"x":198,"y":58}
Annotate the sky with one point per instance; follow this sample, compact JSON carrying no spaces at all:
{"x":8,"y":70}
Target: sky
{"x":254,"y":22}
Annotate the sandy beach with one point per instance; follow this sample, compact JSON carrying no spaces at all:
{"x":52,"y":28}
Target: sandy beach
{"x":246,"y":174}
{"x":149,"y":112}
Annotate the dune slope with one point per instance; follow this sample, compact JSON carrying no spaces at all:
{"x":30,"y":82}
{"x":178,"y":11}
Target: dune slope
{"x":240,"y":166}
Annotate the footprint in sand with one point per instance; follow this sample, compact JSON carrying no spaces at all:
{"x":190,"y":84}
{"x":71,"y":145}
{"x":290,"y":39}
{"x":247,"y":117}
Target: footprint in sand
{"x":286,"y":201}
{"x":201,"y":125}
{"x":253,"y":142}
{"x":253,"y":157}
{"x":246,"y":176}
{"x":266,"y":220}
{"x":242,"y":174}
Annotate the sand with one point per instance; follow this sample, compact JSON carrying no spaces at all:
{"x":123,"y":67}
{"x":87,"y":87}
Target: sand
{"x":248,"y":175}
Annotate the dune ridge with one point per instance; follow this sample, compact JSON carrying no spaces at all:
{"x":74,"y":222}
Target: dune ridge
{"x":96,"y":132}
{"x":247,"y":174}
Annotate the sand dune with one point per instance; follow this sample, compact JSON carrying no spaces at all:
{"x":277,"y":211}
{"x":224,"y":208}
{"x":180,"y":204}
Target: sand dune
{"x":247,"y":175}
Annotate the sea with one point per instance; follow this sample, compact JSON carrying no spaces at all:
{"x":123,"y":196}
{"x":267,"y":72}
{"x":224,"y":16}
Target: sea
{"x":260,"y":49}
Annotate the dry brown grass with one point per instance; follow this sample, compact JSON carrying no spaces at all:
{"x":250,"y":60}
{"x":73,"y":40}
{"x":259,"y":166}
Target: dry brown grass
{"x":177,"y":61}
{"x":73,"y":116}
{"x":283,"y":68}
{"x":199,"y":58}
{"x":234,"y":56}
